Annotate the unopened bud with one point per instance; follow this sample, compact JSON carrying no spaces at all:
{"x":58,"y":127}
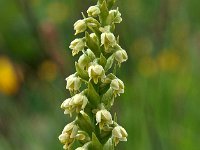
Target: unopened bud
{"x":94,"y":37}
{"x":83,"y":60}
{"x":93,"y":11}
{"x":90,"y":54}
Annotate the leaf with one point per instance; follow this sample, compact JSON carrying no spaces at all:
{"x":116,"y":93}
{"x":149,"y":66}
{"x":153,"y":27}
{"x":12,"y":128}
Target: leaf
{"x":85,"y":123}
{"x":118,"y":39}
{"x":109,"y":145}
{"x":102,"y":60}
{"x":108,"y":99}
{"x":92,"y":45}
{"x":92,"y":95}
{"x":111,"y":76}
{"x":104,"y":13}
{"x":112,"y":27}
{"x":100,"y":1}
{"x":81,"y":72}
{"x":109,"y":63}
{"x":110,"y":3}
{"x":104,"y":87}
{"x":95,"y":144}
{"x":115,"y":117}
{"x":105,"y":135}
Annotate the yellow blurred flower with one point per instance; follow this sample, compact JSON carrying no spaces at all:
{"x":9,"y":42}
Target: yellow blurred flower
{"x":168,"y":61}
{"x":147,"y":67}
{"x":48,"y":70}
{"x":9,"y":83}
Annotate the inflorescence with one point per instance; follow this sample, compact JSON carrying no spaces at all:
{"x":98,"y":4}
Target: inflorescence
{"x":94,"y":85}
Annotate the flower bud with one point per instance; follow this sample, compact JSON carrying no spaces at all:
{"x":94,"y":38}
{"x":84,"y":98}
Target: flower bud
{"x":105,"y":29}
{"x":80,"y":26}
{"x":103,"y":118}
{"x":117,"y":86}
{"x":83,"y":60}
{"x":115,"y":16}
{"x":77,"y":45}
{"x":92,"y":22}
{"x":96,"y":72}
{"x":90,"y":54}
{"x":73,"y":83}
{"x":94,"y":37}
{"x":93,"y":11}
{"x":120,"y":56}
{"x":119,"y":134}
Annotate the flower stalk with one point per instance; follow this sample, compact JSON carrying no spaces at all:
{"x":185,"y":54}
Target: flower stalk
{"x":94,"y":127}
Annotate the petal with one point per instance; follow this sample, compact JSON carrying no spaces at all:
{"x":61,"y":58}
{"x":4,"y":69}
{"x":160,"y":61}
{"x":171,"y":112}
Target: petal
{"x":98,"y":117}
{"x":74,"y":132}
{"x":116,"y":132}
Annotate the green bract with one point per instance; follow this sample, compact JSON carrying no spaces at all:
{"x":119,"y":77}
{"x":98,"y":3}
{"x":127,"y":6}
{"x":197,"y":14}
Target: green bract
{"x":94,"y":127}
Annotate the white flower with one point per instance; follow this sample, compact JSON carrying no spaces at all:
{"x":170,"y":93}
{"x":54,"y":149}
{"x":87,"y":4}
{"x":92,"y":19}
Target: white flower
{"x":119,"y":134}
{"x":67,"y":107}
{"x":63,"y":137}
{"x":80,"y":26}
{"x":73,"y":83}
{"x":108,"y":39}
{"x":77,"y":45}
{"x":120,"y":56}
{"x":93,"y":11}
{"x":71,"y":129}
{"x":117,"y":86}
{"x":76,"y":103}
{"x":115,"y":16}
{"x":80,"y":148}
{"x":96,"y":72}
{"x":79,"y":101}
{"x":103,"y":118}
{"x":68,"y":135}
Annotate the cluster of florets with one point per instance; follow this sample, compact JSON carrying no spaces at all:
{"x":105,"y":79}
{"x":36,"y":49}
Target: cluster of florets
{"x":101,"y":55}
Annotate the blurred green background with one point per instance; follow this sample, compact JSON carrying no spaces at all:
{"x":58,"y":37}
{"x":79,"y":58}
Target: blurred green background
{"x":160,"y":108}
